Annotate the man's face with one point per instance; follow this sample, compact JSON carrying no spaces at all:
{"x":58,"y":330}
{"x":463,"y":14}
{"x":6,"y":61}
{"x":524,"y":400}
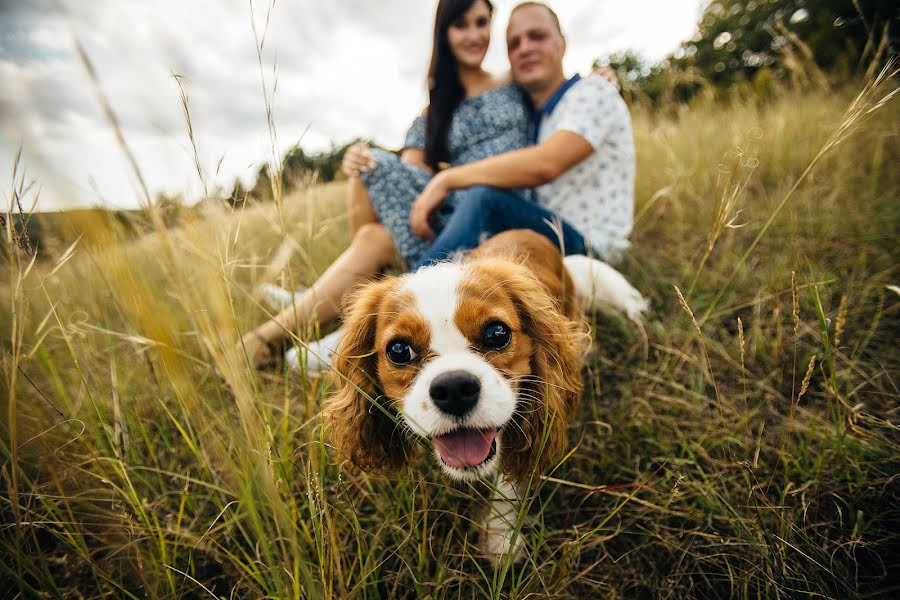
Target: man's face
{"x":535,"y":48}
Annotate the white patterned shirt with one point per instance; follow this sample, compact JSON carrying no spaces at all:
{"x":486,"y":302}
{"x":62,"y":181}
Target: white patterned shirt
{"x":596,"y":196}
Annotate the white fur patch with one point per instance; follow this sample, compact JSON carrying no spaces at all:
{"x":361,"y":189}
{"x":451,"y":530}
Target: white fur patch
{"x":598,"y":285}
{"x":435,"y":291}
{"x":500,"y":522}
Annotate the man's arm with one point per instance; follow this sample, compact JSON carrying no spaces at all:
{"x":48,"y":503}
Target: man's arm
{"x":525,"y":168}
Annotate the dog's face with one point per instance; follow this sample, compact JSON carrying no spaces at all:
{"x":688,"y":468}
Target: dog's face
{"x":452,"y":356}
{"x":475,"y":357}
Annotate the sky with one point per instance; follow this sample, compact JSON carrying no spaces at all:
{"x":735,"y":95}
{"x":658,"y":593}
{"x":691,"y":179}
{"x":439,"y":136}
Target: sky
{"x":331,"y":71}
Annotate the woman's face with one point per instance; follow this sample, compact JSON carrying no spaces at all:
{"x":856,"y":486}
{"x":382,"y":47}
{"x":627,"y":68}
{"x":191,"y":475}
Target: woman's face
{"x":470,"y":35}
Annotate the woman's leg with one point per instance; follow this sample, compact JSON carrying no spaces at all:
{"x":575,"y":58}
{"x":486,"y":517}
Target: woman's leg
{"x":371,"y":250}
{"x":392,"y":185}
{"x":359,"y":205}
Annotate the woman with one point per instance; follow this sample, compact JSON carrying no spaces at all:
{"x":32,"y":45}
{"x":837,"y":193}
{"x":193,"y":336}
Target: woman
{"x":471,"y":115}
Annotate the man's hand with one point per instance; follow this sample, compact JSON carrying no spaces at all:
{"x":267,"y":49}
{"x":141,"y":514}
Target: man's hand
{"x":357,"y":159}
{"x":424,"y":206}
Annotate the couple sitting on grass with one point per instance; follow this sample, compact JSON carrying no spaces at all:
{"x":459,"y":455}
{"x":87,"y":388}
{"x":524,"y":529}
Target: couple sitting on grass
{"x":542,"y":152}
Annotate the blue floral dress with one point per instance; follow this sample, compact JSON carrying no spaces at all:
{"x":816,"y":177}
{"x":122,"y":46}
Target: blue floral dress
{"x":485,"y":125}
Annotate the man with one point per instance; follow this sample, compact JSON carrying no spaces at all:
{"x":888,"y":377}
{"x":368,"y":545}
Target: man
{"x":582,"y":164}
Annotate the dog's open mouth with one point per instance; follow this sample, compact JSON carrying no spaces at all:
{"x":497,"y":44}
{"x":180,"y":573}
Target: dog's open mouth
{"x":466,"y":448}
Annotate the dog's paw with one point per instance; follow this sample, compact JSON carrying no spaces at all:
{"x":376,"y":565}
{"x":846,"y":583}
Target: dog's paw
{"x":497,"y":545}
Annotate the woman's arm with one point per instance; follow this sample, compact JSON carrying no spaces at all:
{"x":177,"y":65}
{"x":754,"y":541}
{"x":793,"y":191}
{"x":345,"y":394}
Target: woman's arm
{"x":416,"y":156}
{"x":414,"y":143}
{"x":358,"y":159}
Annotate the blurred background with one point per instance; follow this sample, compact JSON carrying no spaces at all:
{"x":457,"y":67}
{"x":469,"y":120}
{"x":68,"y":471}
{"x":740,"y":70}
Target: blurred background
{"x":335,"y":72}
{"x":332,"y":71}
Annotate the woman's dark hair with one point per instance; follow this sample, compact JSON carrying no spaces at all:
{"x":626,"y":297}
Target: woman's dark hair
{"x":445,"y":90}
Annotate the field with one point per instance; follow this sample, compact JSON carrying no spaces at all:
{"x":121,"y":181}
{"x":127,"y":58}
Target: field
{"x":744,"y":443}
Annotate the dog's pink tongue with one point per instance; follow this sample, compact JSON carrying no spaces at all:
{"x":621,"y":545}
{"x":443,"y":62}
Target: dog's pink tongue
{"x":465,"y":447}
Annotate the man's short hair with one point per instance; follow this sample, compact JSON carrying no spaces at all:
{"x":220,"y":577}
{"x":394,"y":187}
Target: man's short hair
{"x":553,"y":16}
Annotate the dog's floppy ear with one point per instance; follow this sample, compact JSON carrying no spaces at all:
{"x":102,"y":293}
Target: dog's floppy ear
{"x":558,"y":347}
{"x":364,"y":427}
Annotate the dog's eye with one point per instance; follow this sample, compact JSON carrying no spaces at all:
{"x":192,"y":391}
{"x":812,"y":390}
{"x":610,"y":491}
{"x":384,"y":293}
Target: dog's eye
{"x":400,"y":352}
{"x":495,"y":336}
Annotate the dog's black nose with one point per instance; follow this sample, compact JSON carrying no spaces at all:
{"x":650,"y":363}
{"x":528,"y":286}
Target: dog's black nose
{"x":455,"y":392}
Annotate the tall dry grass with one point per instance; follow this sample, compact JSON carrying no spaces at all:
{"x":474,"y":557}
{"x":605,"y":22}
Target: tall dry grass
{"x":744,"y":445}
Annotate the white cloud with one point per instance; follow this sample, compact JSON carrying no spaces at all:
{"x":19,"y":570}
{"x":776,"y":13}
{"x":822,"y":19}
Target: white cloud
{"x":344,"y":69}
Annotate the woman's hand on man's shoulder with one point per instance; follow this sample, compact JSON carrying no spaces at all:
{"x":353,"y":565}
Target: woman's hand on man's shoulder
{"x":609,"y":74}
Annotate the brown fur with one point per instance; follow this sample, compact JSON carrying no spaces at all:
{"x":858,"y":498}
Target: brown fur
{"x":363,"y":427}
{"x":541,"y":257}
{"x":518,"y":275}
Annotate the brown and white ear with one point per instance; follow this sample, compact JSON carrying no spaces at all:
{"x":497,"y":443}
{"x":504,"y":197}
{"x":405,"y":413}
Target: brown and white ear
{"x":363,"y":427}
{"x":558,"y":347}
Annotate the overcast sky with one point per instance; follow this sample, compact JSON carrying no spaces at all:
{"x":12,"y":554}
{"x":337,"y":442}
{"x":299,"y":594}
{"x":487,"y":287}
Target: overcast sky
{"x":344,"y":69}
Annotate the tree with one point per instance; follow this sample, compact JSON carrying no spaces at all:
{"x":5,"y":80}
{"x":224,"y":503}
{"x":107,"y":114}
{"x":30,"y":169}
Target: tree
{"x":762,"y":41}
{"x":737,"y":38}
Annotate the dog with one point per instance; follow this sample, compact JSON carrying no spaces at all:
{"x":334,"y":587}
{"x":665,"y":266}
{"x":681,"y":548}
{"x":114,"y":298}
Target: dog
{"x":481,"y":357}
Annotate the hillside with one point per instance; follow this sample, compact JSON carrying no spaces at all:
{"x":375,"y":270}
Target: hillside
{"x":744,"y":443}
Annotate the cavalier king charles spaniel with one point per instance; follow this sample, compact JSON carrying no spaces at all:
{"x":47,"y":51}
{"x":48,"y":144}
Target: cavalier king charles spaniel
{"x":481,"y":357}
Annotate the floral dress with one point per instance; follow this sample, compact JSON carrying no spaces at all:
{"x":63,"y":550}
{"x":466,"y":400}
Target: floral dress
{"x":485,"y":125}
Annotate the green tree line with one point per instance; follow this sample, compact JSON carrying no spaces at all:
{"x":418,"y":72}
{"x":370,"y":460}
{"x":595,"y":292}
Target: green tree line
{"x":761,"y":42}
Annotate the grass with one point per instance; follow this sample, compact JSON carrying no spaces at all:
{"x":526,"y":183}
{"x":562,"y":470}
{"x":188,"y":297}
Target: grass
{"x":744,"y":444}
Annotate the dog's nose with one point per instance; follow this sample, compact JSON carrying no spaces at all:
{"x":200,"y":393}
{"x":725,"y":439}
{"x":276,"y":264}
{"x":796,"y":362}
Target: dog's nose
{"x":455,"y":392}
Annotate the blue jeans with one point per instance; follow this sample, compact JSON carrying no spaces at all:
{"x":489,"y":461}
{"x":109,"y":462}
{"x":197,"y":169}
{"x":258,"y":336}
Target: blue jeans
{"x":485,"y":210}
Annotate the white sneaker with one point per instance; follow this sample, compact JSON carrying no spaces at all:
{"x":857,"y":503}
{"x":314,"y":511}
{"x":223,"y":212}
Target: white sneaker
{"x":277,"y":297}
{"x":319,"y":354}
